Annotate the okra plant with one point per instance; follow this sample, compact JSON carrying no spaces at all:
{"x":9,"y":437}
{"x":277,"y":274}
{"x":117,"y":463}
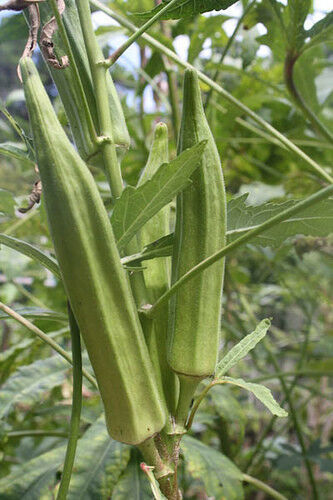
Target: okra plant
{"x":142,"y":271}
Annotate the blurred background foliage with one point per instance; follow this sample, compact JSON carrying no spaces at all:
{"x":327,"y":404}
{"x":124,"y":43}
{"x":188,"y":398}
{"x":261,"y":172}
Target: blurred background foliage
{"x":291,"y":283}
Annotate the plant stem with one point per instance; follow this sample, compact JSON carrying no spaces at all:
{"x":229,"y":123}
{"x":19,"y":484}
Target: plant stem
{"x":74,"y":428}
{"x":98,"y":73}
{"x":152,"y":458}
{"x":264,"y":487}
{"x":173,"y":56}
{"x":187,"y":388}
{"x":133,"y":38}
{"x":285,"y":214}
{"x":218,"y":72}
{"x":289,"y":65}
{"x":56,"y":347}
{"x":71,"y":58}
{"x":38,"y":433}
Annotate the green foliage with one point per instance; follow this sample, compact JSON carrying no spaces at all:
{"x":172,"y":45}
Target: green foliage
{"x":240,"y":350}
{"x":138,"y":205}
{"x":219,"y":475}
{"x":186,"y":8}
{"x":284,"y":274}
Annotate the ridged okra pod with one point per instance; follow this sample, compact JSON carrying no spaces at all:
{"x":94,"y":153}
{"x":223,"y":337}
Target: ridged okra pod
{"x":195,"y":310}
{"x":94,"y":279}
{"x":66,"y":84}
{"x":157,"y":272}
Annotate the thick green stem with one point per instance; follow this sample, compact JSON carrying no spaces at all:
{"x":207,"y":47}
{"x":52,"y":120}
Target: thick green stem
{"x":74,"y":428}
{"x":187,"y":388}
{"x":285,"y":214}
{"x":152,"y":458}
{"x":173,"y":56}
{"x":98,"y":73}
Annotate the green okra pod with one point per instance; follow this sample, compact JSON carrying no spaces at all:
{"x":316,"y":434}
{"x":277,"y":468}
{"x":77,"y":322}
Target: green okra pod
{"x":94,"y":279}
{"x":157,"y":272}
{"x":195,"y":310}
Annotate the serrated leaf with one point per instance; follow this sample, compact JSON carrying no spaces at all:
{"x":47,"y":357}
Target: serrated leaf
{"x":137,"y":205}
{"x":33,"y":479}
{"x":240,"y":350}
{"x":220,"y":476}
{"x":15,"y":150}
{"x":186,"y":8}
{"x":37,"y":313}
{"x":133,"y":484}
{"x":261,"y":392}
{"x":29,"y":383}
{"x":31,"y":251}
{"x":314,"y":221}
{"x":99,"y":462}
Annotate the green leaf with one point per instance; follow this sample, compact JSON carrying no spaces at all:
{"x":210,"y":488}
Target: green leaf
{"x":34,"y":478}
{"x":37,"y":313}
{"x":297,"y":12}
{"x":159,"y":248}
{"x":32,"y":252}
{"x":186,"y":8}
{"x":7,"y":202}
{"x":133,"y":484}
{"x":15,"y":150}
{"x":240,"y":350}
{"x":220,"y":476}
{"x":314,"y":221}
{"x":322,"y":31}
{"x":137,"y":205}
{"x":99,"y":462}
{"x":261,"y":392}
{"x":29,"y":383}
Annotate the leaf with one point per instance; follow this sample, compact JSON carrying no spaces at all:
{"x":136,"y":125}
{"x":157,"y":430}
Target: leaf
{"x":34,"y":478}
{"x":159,"y":248}
{"x":32,"y":252}
{"x":298,"y":11}
{"x":37,"y":313}
{"x":133,"y":484}
{"x":29,"y":383}
{"x":220,"y":476}
{"x":314,"y":221}
{"x":15,"y":150}
{"x":185,"y":9}
{"x":240,"y":350}
{"x":261,"y":392}
{"x":99,"y":462}
{"x":7,"y":202}
{"x":321,"y":31}
{"x":137,"y":205}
